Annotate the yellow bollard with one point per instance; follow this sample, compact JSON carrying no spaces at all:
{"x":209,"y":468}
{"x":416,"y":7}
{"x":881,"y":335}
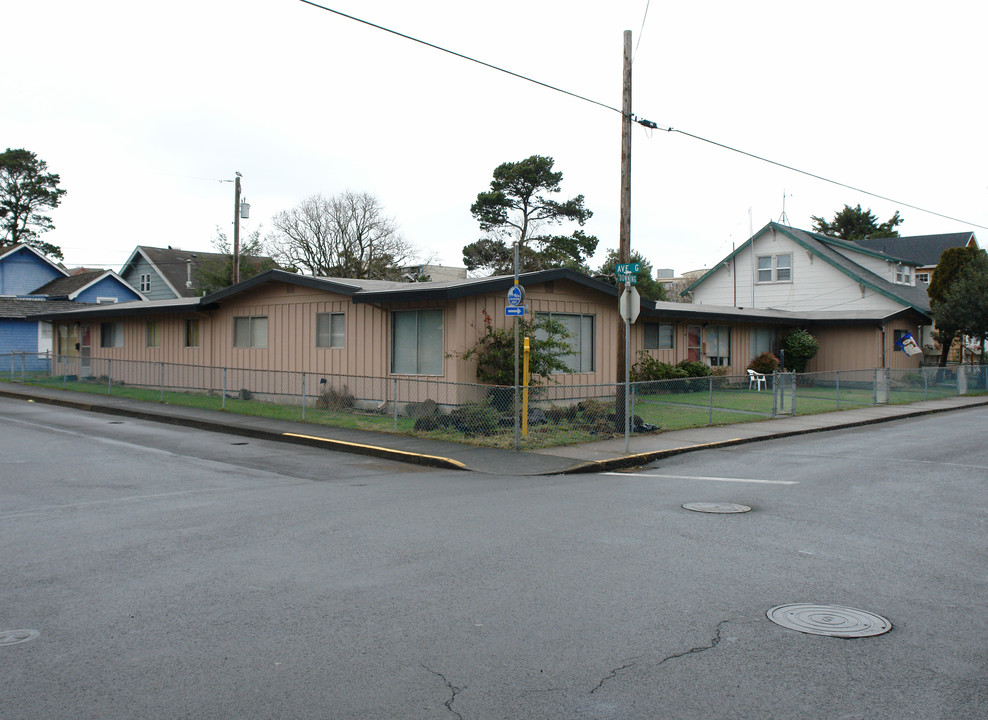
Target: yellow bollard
{"x":524,"y":391}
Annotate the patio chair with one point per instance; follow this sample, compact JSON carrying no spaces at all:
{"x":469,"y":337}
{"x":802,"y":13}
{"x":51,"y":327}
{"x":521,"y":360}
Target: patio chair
{"x":757,"y":379}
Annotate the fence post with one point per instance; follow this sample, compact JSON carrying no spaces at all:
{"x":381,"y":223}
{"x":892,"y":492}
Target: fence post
{"x":23,"y":367}
{"x":926,"y":386}
{"x":223,"y":402}
{"x":395,"y":401}
{"x":710,"y":401}
{"x":303,"y":397}
{"x":775,"y":393}
{"x":632,"y":407}
{"x":109,"y":376}
{"x":11,"y":367}
{"x":837,"y":386}
{"x":961,"y":380}
{"x":162,"y":396}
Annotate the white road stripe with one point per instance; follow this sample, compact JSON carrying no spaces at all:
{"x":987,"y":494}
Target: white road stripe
{"x":703,"y":477}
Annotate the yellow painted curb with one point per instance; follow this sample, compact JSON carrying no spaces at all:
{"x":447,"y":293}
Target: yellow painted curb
{"x":383,"y":451}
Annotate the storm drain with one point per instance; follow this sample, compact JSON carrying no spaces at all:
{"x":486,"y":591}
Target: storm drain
{"x":721,"y":507}
{"x":16,"y":637}
{"x":832,"y":620}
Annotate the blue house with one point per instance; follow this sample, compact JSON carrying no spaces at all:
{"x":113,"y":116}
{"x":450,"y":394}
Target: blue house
{"x":32,"y":285}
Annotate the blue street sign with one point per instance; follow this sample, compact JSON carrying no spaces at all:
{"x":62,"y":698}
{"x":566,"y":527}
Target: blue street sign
{"x":517,"y":311}
{"x":516,"y":295}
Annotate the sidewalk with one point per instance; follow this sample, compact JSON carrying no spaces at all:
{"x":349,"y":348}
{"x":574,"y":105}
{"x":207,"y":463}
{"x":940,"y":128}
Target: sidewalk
{"x":587,"y":457}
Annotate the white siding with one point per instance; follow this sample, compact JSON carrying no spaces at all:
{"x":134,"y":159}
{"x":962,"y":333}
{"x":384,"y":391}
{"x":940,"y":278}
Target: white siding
{"x":816,"y":285}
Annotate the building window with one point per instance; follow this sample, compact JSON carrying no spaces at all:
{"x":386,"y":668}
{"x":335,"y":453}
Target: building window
{"x":581,"y":340}
{"x":775,"y":268}
{"x":153,"y":333}
{"x":145,"y":282}
{"x":923,"y":277}
{"x":110,"y":335}
{"x":902,"y":275}
{"x":718,"y":341}
{"x":417,"y":342}
{"x":658,"y":336}
{"x":192,"y":332}
{"x":762,"y":341}
{"x":105,"y":300}
{"x":250,"y":332}
{"x":330,"y":330}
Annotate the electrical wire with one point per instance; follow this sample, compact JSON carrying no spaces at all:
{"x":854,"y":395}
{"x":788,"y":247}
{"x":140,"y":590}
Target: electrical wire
{"x":648,"y":124}
{"x":461,"y":56}
{"x":641,"y":32}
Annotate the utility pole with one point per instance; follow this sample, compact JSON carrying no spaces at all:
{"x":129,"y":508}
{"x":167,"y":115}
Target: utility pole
{"x":624,"y":240}
{"x":236,"y":231}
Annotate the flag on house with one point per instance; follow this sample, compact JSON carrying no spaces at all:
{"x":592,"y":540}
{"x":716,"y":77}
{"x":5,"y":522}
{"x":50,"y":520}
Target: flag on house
{"x":907,"y":343}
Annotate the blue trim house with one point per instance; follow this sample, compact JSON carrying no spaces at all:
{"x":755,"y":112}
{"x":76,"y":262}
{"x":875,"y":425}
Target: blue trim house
{"x":32,"y":285}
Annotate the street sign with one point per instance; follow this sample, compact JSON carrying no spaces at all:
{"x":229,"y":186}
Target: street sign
{"x":628,"y":268}
{"x":629,"y":279}
{"x":516,"y":295}
{"x":630,"y":305}
{"x":516,"y":311}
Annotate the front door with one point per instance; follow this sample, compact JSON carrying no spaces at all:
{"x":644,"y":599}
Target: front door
{"x":694,"y":336}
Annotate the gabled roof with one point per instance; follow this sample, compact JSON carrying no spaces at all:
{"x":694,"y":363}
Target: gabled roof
{"x":21,"y":247}
{"x":172,"y":265}
{"x":831,"y":250}
{"x":924,"y":250}
{"x":70,"y":287}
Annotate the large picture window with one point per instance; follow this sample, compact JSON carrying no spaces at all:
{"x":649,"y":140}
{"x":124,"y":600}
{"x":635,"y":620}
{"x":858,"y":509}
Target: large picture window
{"x":658,"y":336}
{"x":417,"y":342}
{"x":330,"y":330}
{"x":250,"y":332}
{"x":581,"y":339}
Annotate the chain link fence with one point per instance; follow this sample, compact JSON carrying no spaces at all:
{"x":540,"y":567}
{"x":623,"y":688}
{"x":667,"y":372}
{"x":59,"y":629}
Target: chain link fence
{"x":498,"y":416}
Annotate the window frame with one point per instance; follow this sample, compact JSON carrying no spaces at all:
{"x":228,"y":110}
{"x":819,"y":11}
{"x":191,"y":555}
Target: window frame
{"x":152,"y":333}
{"x":658,"y":339}
{"x":580,"y":344}
{"x":116,"y":336}
{"x":190,"y":323}
{"x":145,"y":282}
{"x":773,"y":269}
{"x":718,"y":360}
{"x":253,"y":331}
{"x":420,"y":362}
{"x":330,"y":332}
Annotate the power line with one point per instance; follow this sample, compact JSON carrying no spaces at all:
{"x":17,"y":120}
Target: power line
{"x":641,"y":31}
{"x":460,"y":55}
{"x":641,"y":121}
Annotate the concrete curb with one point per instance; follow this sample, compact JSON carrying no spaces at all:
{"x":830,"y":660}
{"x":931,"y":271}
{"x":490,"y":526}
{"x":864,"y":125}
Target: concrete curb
{"x":435,"y":461}
{"x":638,"y":459}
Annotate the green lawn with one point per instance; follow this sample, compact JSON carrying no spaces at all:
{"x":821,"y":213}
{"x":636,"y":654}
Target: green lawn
{"x":667,"y":411}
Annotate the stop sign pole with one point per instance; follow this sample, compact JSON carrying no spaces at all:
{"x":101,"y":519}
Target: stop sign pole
{"x":629,"y":305}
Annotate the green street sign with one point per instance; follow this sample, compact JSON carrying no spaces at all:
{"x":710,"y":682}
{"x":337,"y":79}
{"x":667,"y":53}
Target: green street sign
{"x":629,"y":279}
{"x":628,"y":268}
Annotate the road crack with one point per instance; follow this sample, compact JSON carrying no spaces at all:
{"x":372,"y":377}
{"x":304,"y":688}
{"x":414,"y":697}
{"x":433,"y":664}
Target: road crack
{"x":714,"y":641}
{"x":453,"y":689}
{"x":613,"y":674}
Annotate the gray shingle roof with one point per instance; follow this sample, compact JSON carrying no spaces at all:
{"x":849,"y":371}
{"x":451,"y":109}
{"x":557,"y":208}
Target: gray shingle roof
{"x":21,"y":308}
{"x":923,"y":250}
{"x":63,"y":287}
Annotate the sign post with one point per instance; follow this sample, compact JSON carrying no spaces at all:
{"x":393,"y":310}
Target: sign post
{"x":629,"y":305}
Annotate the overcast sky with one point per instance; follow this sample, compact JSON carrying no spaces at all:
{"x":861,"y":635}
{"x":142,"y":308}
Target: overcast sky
{"x":142,"y":108}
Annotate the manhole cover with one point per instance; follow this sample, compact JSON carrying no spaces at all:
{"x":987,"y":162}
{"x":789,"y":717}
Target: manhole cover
{"x":722,"y":507}
{"x":833,"y":620}
{"x":16,"y":637}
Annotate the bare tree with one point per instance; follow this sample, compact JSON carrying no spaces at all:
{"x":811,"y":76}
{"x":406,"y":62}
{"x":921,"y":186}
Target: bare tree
{"x":347,"y":235}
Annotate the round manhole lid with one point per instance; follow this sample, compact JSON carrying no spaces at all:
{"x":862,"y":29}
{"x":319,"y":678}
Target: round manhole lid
{"x":715,"y":507}
{"x":832,"y":620}
{"x":16,"y":637}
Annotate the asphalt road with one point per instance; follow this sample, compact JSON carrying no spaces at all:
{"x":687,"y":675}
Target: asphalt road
{"x":174,"y":573}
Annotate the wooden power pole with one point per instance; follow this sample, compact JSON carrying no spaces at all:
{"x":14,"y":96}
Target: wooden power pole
{"x":236,"y":232}
{"x":624,"y":240}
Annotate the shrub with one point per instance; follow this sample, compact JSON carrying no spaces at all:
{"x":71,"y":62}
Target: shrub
{"x":766,"y":364}
{"x":335,"y":400}
{"x":799,"y":347}
{"x":693,"y":368}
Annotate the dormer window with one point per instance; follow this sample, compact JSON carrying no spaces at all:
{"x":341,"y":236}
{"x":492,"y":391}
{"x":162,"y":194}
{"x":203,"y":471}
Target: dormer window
{"x":903,"y":276}
{"x":145,"y":282}
{"x":775,"y":268}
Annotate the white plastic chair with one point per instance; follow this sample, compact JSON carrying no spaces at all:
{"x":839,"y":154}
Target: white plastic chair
{"x":757,"y":379}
